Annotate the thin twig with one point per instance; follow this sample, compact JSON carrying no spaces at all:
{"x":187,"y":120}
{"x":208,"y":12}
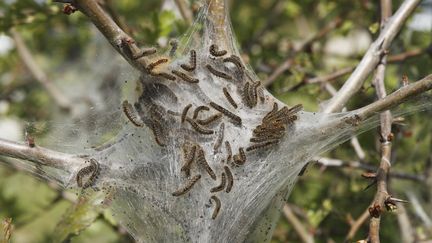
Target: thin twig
{"x":185,"y":11}
{"x":61,"y":100}
{"x":372,"y":57}
{"x":297,"y":225}
{"x":355,"y":226}
{"x":290,"y":60}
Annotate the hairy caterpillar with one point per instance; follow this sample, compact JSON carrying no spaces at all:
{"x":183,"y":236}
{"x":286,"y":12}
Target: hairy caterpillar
{"x":92,"y":169}
{"x":230,"y":179}
{"x":219,"y":138}
{"x":192,"y":63}
{"x":198,"y":109}
{"x":157,"y":132}
{"x":245,"y":94}
{"x":215,"y":52}
{"x":236,"y":61}
{"x":128,"y":110}
{"x":229,"y":151}
{"x":217,"y":72}
{"x":152,"y":65}
{"x":237,"y":120}
{"x":187,"y":187}
{"x":185,"y":77}
{"x":240,"y":158}
{"x":184,"y":113}
{"x":198,"y":128}
{"x":174,"y":45}
{"x":165,"y":75}
{"x":261,"y":145}
{"x":203,"y":162}
{"x":209,"y":119}
{"x":217,"y":207}
{"x":221,"y":185}
{"x":189,"y":158}
{"x":229,"y":97}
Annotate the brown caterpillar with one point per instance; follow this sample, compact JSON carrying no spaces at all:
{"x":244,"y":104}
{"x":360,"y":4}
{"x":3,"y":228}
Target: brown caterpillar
{"x":218,"y":73}
{"x":209,"y":119}
{"x":261,"y":145}
{"x":267,"y":137}
{"x":237,"y":120}
{"x":217,"y":207}
{"x":296,"y":108}
{"x":198,"y":128}
{"x":187,"y":187}
{"x":198,"y":109}
{"x":189,"y":158}
{"x":230,"y":179}
{"x":165,"y":75}
{"x":144,"y":52}
{"x":92,"y":169}
{"x":221,"y":185}
{"x":219,"y":138}
{"x":229,"y":151}
{"x":174,"y":45}
{"x":184,"y":113}
{"x":203,"y":162}
{"x":128,"y":110}
{"x":152,"y":65}
{"x":240,"y":158}
{"x":245,"y":95}
{"x":229,"y":97}
{"x":271,"y":113}
{"x":236,"y":61}
{"x":157,"y":132}
{"x":215,"y":52}
{"x":192,"y":63}
{"x":185,"y":77}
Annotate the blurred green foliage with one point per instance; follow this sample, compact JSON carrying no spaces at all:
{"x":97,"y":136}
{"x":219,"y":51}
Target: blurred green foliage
{"x":267,"y":31}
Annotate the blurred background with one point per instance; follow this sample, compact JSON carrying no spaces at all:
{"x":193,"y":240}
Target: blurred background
{"x":53,"y":64}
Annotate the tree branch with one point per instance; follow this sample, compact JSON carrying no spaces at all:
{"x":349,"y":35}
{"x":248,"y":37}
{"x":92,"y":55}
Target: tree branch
{"x":290,"y":60}
{"x":62,"y":101}
{"x":40,"y":156}
{"x":185,"y":11}
{"x":372,"y":57}
{"x":297,"y":225}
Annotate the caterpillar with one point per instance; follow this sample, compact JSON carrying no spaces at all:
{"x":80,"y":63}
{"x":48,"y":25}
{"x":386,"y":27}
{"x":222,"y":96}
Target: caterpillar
{"x":92,"y":169}
{"x":221,"y":185}
{"x":185,"y":77}
{"x":229,"y":97}
{"x":189,"y":158}
{"x":229,"y":151}
{"x":236,"y":61}
{"x":198,"y":109}
{"x":165,"y":75}
{"x":174,"y":45}
{"x":266,"y":137}
{"x":296,"y":108}
{"x":192,"y":63}
{"x":237,"y":120}
{"x":219,"y":138}
{"x":152,"y":65}
{"x":187,"y":187}
{"x":217,"y":207}
{"x":215,"y":52}
{"x":230,"y":179}
{"x":240,"y":158}
{"x":261,"y":145}
{"x":217,"y":72}
{"x":128,"y":110}
{"x":198,"y":128}
{"x":144,"y":52}
{"x":203,"y":162}
{"x":209,"y":119}
{"x":184,"y":113}
{"x":157,"y":132}
{"x":245,"y":95}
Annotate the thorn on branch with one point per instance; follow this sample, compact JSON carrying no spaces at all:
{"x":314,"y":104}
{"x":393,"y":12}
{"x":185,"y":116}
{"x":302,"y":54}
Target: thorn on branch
{"x":69,"y":9}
